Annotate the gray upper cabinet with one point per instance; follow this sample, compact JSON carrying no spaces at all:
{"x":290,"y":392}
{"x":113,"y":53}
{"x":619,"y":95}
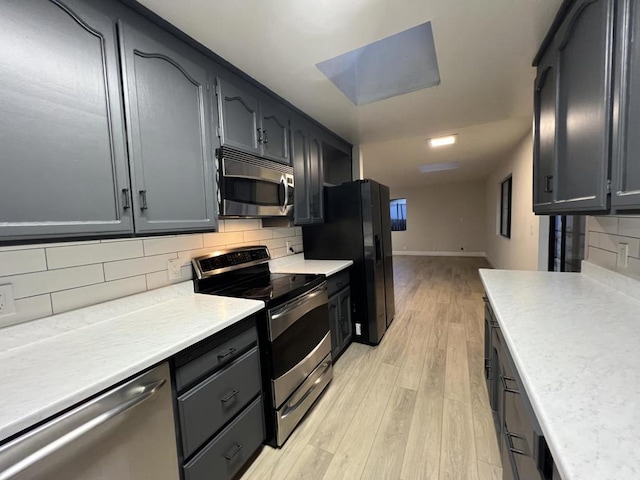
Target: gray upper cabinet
{"x":626,"y":167}
{"x":544,"y":134}
{"x":62,"y":147}
{"x":573,"y":111}
{"x":168,"y":109}
{"x":239,"y":118}
{"x":253,"y":122}
{"x":306,"y":152}
{"x":584,"y":106}
{"x":275,"y":131}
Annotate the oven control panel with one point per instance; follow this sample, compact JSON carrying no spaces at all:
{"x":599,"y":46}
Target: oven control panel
{"x":227,"y":260}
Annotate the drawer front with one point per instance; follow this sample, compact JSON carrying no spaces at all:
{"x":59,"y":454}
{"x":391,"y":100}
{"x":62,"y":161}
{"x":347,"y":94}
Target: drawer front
{"x":508,"y":467}
{"x":520,"y":449}
{"x":215,"y":358}
{"x":208,"y":406}
{"x":337,"y":282}
{"x":228,"y":452}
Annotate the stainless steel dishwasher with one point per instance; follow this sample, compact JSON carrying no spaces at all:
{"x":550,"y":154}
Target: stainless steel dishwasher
{"x":126,"y":433}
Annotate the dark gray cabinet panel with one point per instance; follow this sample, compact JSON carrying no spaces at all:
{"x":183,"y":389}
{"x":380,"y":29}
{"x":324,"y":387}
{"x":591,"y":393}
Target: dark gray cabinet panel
{"x":62,"y":144}
{"x":169,"y":117}
{"x":239,"y":118}
{"x":275,"y":131}
{"x":334,"y":324}
{"x":544,"y":134}
{"x":207,"y":407}
{"x":223,"y":457}
{"x":340,"y":319}
{"x":585,"y":45}
{"x":625,"y":164}
{"x":306,"y":153}
{"x":346,"y":328}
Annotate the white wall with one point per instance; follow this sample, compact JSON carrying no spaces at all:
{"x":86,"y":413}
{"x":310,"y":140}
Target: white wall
{"x":446,"y":218}
{"x":57,"y":277}
{"x":521,"y":251}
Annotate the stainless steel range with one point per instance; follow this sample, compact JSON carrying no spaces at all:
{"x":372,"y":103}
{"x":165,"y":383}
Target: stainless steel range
{"x":295,"y":339}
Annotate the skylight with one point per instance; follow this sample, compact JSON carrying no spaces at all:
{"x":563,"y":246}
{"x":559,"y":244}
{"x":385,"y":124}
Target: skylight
{"x":438,"y":167}
{"x":399,"y":64}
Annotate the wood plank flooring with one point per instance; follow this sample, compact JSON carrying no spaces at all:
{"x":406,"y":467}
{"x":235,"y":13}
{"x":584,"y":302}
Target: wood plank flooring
{"x":413,"y":408}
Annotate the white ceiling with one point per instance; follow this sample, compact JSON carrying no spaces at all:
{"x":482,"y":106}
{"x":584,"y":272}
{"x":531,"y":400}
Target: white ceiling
{"x":484,"y":49}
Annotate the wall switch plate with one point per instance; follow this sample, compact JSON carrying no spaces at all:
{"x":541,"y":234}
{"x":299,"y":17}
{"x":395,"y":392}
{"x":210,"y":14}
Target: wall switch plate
{"x":175,"y":268}
{"x":7,"y":304}
{"x":623,"y":255}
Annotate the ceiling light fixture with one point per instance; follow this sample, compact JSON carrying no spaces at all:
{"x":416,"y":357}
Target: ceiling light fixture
{"x":438,"y":167}
{"x":442,"y":141}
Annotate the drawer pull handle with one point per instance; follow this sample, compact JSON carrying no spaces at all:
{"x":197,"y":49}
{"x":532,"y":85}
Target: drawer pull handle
{"x":224,"y":355}
{"x":236,"y":450}
{"x":485,"y":299}
{"x":517,"y":451}
{"x":229,"y":396}
{"x":505,"y":387}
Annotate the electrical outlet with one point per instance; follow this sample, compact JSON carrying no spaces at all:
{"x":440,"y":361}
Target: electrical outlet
{"x":175,"y":268}
{"x":289,"y":247}
{"x":7,"y":304}
{"x":623,"y":255}
{"x":358,"y":329}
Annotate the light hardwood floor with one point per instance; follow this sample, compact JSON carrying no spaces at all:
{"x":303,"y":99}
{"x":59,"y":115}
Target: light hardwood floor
{"x":414,"y":407}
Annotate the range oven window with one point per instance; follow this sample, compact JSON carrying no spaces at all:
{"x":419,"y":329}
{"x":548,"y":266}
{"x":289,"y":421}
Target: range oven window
{"x":255,"y":192}
{"x":297,"y":341}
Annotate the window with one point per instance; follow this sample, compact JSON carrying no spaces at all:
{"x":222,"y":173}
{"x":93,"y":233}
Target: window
{"x":398,"y":214}
{"x":505,"y":207}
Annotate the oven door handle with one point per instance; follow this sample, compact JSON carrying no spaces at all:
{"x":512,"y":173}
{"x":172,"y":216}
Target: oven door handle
{"x":283,"y":181}
{"x":282,"y":318}
{"x":299,"y":397}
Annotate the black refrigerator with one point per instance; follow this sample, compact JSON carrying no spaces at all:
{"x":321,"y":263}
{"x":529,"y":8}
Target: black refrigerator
{"x":358,"y":227}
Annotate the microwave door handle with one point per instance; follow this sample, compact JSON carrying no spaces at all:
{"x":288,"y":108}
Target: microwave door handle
{"x":283,"y":180}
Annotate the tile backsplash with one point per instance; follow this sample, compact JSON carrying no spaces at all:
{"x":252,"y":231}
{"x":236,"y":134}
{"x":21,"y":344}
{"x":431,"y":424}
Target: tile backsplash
{"x":57,"y":277}
{"x":604,"y":234}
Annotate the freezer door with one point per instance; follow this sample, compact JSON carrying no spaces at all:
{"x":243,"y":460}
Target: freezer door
{"x":374,"y":260}
{"x":387,"y":251}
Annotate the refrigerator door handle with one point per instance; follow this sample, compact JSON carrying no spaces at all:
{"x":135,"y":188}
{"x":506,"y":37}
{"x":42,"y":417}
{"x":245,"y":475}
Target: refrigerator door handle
{"x":378,"y":243}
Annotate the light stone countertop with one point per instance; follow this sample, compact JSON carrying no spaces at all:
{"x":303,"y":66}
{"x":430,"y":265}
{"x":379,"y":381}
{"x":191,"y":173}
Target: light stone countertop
{"x":575,"y":341}
{"x":77,"y":354}
{"x":298,"y":264}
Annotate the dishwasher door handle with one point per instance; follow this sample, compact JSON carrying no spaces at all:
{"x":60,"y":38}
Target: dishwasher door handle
{"x":33,"y":447}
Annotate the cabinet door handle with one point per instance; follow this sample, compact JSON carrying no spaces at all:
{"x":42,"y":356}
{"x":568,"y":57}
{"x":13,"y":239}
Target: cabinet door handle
{"x":266,"y":136}
{"x":143,"y":200}
{"x":505,"y":387}
{"x":548,"y":188}
{"x":234,"y":452}
{"x":517,"y":451}
{"x":259,"y":135}
{"x":126,"y":203}
{"x":231,"y":351}
{"x":229,"y":396}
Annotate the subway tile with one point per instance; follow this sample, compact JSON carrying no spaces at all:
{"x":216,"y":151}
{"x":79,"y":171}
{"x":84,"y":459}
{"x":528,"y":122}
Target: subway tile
{"x":603,"y":224}
{"x":27,"y":309}
{"x":22,"y":261}
{"x":256,"y":235}
{"x":43,"y":245}
{"x":278,"y":252}
{"x":241,"y":225}
{"x":221,"y":226}
{"x":72,"y":256}
{"x":629,"y":227}
{"x":102,"y":292}
{"x":284,"y":232}
{"x":299,"y":231}
{"x":593,"y":239}
{"x":189,"y":254}
{"x":136,"y":266}
{"x":218,"y":239}
{"x":274,"y":243}
{"x":610,"y":243}
{"x":32,"y":284}
{"x":603,"y":258}
{"x":161,"y":279}
{"x":160,"y":245}
{"x":633,"y":268}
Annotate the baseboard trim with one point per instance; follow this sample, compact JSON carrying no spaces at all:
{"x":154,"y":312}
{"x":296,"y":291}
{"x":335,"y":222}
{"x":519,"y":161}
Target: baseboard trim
{"x":491,"y":262}
{"x":441,"y":254}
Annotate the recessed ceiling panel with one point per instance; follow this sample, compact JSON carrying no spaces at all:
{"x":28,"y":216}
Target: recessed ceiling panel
{"x":402,"y":63}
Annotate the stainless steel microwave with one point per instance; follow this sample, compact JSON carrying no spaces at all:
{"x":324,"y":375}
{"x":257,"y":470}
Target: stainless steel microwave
{"x":251,"y":186}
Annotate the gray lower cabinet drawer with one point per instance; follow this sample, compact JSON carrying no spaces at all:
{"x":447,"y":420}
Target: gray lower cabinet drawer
{"x":208,"y":406}
{"x":337,"y":282}
{"x":228,"y":452}
{"x":219,"y":355}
